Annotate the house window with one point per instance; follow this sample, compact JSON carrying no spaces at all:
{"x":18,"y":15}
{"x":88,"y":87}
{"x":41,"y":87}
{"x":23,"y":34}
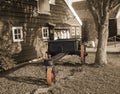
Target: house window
{"x":52,"y":2}
{"x":45,"y":33}
{"x":17,"y":34}
{"x":73,"y":30}
{"x":68,"y":34}
{"x":43,"y":7}
{"x":77,"y":31}
{"x":61,"y":34}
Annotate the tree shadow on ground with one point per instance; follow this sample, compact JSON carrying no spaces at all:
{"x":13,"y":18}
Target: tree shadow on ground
{"x":28,"y":80}
{"x":69,"y":64}
{"x":94,"y":65}
{"x":3,"y":73}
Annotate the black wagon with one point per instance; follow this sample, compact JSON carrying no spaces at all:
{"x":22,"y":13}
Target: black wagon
{"x":59,"y":48}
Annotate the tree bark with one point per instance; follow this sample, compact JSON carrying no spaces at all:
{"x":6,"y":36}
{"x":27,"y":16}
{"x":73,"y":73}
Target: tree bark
{"x":100,"y":10}
{"x":101,"y":54}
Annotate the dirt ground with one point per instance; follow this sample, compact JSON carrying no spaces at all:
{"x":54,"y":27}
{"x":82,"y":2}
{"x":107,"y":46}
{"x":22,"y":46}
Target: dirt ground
{"x":71,"y":78}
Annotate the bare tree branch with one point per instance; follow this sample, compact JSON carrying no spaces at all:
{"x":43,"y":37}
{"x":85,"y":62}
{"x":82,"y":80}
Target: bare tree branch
{"x":100,"y":10}
{"x":94,"y":12}
{"x":115,"y":7}
{"x":114,"y":4}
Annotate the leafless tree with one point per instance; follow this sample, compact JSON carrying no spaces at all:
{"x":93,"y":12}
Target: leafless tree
{"x":101,"y":10}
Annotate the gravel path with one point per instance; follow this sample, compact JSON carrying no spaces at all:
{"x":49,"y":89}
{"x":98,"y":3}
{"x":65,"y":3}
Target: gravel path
{"x":72,"y":78}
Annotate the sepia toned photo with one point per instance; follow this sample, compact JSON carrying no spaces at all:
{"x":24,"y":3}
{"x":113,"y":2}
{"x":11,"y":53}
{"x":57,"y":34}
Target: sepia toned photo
{"x":59,"y":46}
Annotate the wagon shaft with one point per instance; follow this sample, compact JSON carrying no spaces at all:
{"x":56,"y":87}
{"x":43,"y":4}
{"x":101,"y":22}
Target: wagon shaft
{"x":58,"y":56}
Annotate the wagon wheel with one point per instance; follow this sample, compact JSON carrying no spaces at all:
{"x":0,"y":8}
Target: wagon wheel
{"x":50,"y":75}
{"x":82,"y":53}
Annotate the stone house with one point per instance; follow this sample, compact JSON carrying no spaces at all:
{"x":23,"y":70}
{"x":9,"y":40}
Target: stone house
{"x":29,"y":24}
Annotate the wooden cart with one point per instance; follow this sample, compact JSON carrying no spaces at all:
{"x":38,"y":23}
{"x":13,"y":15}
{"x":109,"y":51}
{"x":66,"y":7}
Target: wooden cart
{"x":59,"y":48}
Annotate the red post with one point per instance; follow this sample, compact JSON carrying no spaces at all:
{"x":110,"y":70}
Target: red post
{"x":46,"y":55}
{"x":82,"y":53}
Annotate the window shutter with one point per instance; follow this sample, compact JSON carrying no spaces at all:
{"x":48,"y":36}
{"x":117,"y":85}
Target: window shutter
{"x":43,"y":7}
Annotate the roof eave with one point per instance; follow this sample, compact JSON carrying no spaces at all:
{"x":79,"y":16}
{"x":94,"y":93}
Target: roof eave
{"x":69,"y":3}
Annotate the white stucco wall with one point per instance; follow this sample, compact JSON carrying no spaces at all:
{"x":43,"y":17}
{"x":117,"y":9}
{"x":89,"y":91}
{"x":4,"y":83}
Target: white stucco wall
{"x":118,"y":22}
{"x":118,"y":25}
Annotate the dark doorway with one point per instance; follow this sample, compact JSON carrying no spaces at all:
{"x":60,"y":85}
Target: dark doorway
{"x":112,"y":27}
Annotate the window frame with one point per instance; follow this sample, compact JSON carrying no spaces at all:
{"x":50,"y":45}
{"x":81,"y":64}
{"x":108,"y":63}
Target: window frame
{"x":19,"y":34}
{"x":45,"y":37}
{"x":38,"y":9}
{"x":77,"y":30}
{"x":73,"y":31}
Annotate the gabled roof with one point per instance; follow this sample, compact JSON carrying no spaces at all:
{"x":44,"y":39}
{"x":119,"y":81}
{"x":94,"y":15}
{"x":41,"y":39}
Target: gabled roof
{"x":69,"y":3}
{"x":73,"y":21}
{"x":82,"y":9}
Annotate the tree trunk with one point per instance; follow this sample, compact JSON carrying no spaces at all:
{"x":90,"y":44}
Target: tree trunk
{"x":101,"y":54}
